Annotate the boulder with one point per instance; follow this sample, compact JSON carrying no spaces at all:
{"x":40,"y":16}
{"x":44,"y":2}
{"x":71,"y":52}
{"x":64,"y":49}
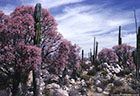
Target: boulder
{"x":53,"y":86}
{"x":98,"y":89}
{"x":109,"y":87}
{"x":74,"y":93}
{"x":124,"y":90}
{"x":106,"y":93}
{"x":62,"y":92}
{"x":98,"y":82}
{"x":117,"y":83}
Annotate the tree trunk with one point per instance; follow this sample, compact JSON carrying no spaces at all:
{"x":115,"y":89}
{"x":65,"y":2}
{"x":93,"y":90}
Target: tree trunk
{"x":36,"y":82}
{"x":16,"y":81}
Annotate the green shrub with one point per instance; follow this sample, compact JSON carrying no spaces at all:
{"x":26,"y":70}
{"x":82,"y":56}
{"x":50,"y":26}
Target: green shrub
{"x":91,"y":72}
{"x":85,"y":77}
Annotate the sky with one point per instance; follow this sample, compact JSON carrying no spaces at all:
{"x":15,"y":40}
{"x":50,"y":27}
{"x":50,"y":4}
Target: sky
{"x":80,"y":21}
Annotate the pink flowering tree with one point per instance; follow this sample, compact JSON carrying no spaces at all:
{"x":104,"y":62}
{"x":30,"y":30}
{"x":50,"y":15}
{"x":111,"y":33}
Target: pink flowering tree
{"x":108,"y":56}
{"x":124,"y":52}
{"x":18,"y":52}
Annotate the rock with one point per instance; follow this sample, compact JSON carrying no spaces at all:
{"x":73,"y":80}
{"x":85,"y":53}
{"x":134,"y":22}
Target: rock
{"x":109,"y":87}
{"x":45,"y":74}
{"x":98,"y":89}
{"x":105,"y":92}
{"x":116,"y":69}
{"x":117,"y":83}
{"x":74,"y":93}
{"x":91,"y":72}
{"x":85,"y":72}
{"x":107,"y":70}
{"x":108,"y":77}
{"x":105,"y":82}
{"x":93,"y":88}
{"x":30,"y":78}
{"x":55,"y":78}
{"x":63,"y":92}
{"x":116,"y":77}
{"x":53,"y":86}
{"x":98,"y":83}
{"x":65,"y":88}
{"x":124,"y":82}
{"x":124,"y":89}
{"x":6,"y":92}
{"x":83,"y":82}
{"x":54,"y":92}
{"x":83,"y":91}
{"x":85,"y":77}
{"x":72,"y":81}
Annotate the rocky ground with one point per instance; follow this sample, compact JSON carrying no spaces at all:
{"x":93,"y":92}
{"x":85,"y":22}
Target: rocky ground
{"x":103,"y":80}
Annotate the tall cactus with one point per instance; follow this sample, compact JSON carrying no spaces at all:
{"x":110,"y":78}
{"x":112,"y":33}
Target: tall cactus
{"x":37,"y":18}
{"x":90,"y":55}
{"x":119,"y":42}
{"x":94,"y":48}
{"x":119,"y":37}
{"x":82,"y":56}
{"x":138,"y":54}
{"x":37,"y":39}
{"x":96,"y":51}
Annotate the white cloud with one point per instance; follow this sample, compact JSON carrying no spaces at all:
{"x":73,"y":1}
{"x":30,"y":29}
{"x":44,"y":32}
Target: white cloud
{"x":49,"y":3}
{"x":81,"y":23}
{"x":7,"y":9}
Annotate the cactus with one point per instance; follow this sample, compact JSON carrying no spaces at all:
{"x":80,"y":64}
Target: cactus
{"x":37,"y":39}
{"x":37,"y":18}
{"x":82,"y":56}
{"x":119,"y":37}
{"x":95,"y":50}
{"x":138,"y":53}
{"x":90,"y":55}
{"x":119,"y":42}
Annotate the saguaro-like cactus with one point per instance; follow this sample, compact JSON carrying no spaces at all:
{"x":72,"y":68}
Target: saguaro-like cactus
{"x":138,"y":53}
{"x":37,"y":39}
{"x":119,"y":37}
{"x":37,"y":18}
{"x":82,"y":56}
{"x":119,"y":42}
{"x":90,"y":54}
{"x":95,"y":50}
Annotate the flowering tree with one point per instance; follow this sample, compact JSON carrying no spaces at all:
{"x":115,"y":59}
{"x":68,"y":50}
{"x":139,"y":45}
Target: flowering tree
{"x":108,"y":56}
{"x":18,"y":52}
{"x":124,"y":52}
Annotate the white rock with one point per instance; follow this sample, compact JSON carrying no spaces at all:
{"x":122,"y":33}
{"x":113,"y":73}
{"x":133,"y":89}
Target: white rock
{"x":98,"y":82}
{"x":105,"y":93}
{"x":99,"y":89}
{"x":109,"y":87}
{"x":72,"y":81}
{"x":64,"y":92}
{"x":53,"y":85}
{"x":115,"y":77}
{"x":67,"y":76}
{"x":108,"y":77}
{"x":83,"y":82}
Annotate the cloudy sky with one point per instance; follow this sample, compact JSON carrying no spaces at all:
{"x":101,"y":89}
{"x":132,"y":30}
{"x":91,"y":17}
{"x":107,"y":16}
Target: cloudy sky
{"x":81,"y":20}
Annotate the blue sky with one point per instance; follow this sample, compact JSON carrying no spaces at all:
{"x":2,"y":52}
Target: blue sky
{"x":81,"y":20}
